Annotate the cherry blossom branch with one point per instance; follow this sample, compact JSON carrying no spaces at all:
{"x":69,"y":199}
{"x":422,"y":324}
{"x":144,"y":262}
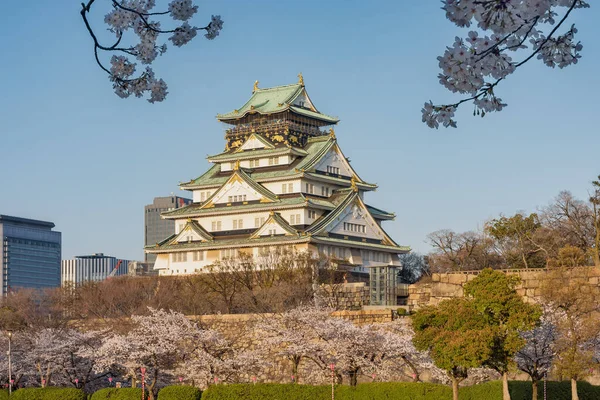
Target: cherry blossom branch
{"x":135,"y":16}
{"x":466,"y":69}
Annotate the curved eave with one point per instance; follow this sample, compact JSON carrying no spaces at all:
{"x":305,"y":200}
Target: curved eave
{"x":351,"y":243}
{"x":228,"y":244}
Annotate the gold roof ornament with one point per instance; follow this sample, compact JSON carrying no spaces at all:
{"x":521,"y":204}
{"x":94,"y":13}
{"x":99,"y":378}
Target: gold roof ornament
{"x":236,"y":166}
{"x":255,"y":86}
{"x":271,"y":212}
{"x":332,"y":133}
{"x":300,"y":79}
{"x":353,"y":184}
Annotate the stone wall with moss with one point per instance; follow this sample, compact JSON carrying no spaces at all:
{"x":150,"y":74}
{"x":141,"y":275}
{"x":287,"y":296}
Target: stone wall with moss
{"x":449,"y":285}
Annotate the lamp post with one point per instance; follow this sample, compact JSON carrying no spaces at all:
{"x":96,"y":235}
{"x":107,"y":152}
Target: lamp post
{"x":9,"y":333}
{"x":143,"y":369}
{"x":332,"y":366}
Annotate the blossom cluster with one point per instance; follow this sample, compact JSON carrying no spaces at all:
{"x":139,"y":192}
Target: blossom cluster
{"x":475,"y":64}
{"x":135,"y":16}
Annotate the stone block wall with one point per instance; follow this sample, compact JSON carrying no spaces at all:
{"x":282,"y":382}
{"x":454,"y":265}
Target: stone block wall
{"x":345,"y":296}
{"x":449,"y":285}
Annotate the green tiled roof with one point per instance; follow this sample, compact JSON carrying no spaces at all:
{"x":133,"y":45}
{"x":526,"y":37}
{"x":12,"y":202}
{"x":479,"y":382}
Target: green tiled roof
{"x":213,"y":176}
{"x":195,"y":210}
{"x":218,"y":244}
{"x":378,"y":213}
{"x":248,"y":154}
{"x":325,"y":220}
{"x":266,"y":241}
{"x":330,"y":240}
{"x":274,"y":100}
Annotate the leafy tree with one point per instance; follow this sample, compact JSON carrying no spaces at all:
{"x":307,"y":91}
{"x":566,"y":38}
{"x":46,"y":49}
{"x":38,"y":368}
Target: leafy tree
{"x":494,"y":297}
{"x":475,"y":65}
{"x":569,"y":257}
{"x":456,"y":336}
{"x":514,"y":236}
{"x":414,"y":266}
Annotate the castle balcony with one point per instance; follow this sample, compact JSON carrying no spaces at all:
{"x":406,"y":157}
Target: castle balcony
{"x":273,"y":126}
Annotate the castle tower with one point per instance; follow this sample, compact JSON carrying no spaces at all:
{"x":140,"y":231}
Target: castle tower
{"x":282,"y":180}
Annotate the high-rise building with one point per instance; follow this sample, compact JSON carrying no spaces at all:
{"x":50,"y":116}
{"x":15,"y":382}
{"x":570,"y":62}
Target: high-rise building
{"x":282,"y":181}
{"x":31,"y":253}
{"x":156,"y":228}
{"x":94,"y":267}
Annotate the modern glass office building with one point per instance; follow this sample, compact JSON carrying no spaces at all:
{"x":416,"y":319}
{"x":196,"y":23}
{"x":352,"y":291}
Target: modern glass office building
{"x":31,"y":254}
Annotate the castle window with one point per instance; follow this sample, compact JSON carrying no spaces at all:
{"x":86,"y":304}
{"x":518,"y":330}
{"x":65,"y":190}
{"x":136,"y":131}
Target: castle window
{"x":273,"y":160}
{"x":238,"y":223}
{"x":179,"y":257}
{"x":254,"y":163}
{"x":228,"y":253}
{"x":350,"y":227}
{"x":198,"y":255}
{"x":310,"y":188}
{"x":292,"y":219}
{"x":290,"y":188}
{"x":216,"y":225}
{"x":312,"y":214}
{"x":333,"y":170}
{"x":283,"y":188}
{"x":258,"y":222}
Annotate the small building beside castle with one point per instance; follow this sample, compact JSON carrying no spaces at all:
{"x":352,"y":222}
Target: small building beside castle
{"x":282,"y":180}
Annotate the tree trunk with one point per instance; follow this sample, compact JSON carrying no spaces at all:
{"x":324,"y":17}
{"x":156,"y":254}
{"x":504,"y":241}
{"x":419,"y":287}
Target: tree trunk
{"x":353,"y":378}
{"x":505,"y":392}
{"x":574,"y":395}
{"x":454,"y":389}
{"x":534,"y":389}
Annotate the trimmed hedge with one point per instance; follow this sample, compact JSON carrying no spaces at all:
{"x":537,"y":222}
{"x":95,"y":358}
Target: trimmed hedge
{"x":364,"y":391}
{"x":48,"y":393}
{"x":179,"y":393}
{"x":519,"y":390}
{"x":118,"y":394}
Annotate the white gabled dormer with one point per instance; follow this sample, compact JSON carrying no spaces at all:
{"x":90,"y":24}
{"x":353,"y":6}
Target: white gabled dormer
{"x":275,"y":225}
{"x":255,"y":142}
{"x":240,"y":188}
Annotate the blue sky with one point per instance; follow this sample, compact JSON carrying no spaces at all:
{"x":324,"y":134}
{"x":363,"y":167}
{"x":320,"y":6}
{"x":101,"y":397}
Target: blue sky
{"x":74,"y":153}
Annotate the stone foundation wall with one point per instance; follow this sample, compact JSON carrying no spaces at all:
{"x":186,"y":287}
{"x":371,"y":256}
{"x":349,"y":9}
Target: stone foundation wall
{"x":449,"y":285}
{"x":345,"y":296}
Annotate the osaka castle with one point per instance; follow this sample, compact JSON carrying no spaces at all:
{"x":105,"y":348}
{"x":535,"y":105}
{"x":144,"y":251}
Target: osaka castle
{"x":282,"y":180}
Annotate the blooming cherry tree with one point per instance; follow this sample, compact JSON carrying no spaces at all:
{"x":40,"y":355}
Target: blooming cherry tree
{"x":157,"y":342}
{"x":293,"y":336}
{"x":398,"y":355}
{"x":474,"y":65}
{"x":536,"y":357}
{"x":138,"y":17}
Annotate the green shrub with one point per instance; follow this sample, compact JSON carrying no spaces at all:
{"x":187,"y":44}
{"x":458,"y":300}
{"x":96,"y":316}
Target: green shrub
{"x":49,"y":393}
{"x":179,"y":393}
{"x":488,"y":391}
{"x":4,"y":394}
{"x":118,"y":394}
{"x":402,"y":311}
